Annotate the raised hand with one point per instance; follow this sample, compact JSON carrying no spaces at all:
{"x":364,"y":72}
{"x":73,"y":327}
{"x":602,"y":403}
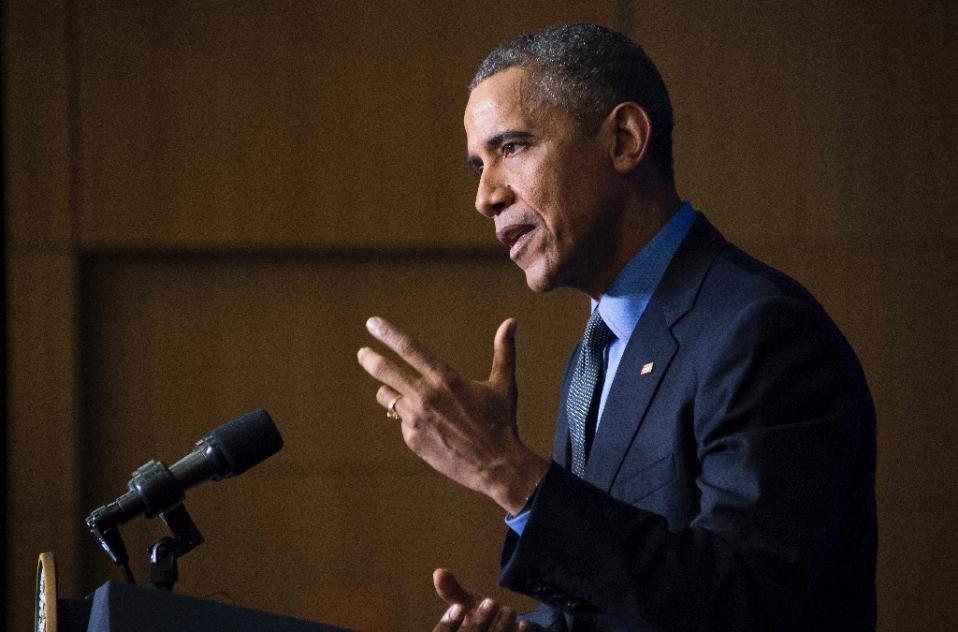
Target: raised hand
{"x":464,"y":429}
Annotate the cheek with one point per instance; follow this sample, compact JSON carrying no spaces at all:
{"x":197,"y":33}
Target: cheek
{"x":549,"y":198}
{"x":568,"y":210}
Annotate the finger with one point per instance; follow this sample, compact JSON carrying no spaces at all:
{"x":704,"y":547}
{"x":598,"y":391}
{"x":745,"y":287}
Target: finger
{"x":505,"y":620}
{"x":385,"y":396}
{"x":449,"y":589}
{"x":504,"y":353}
{"x":407,"y":348}
{"x":484,"y":615}
{"x":451,"y":619}
{"x":384,"y":370}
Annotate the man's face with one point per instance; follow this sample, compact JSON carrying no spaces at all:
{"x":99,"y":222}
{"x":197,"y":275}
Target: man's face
{"x":545,"y":181}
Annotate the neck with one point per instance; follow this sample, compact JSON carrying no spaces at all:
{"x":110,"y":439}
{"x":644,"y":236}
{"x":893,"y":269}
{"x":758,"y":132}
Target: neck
{"x":643,"y":216}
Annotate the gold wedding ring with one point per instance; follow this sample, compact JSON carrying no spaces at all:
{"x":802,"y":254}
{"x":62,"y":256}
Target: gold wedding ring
{"x":391,"y":409}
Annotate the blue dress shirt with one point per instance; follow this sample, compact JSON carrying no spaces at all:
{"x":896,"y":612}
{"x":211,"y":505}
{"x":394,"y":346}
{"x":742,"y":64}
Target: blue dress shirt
{"x":622,"y":306}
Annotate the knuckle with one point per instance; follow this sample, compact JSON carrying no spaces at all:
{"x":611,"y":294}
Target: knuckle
{"x":429,"y":401}
{"x":405,"y":346}
{"x":377,"y":365}
{"x":415,"y":399}
{"x":412,"y":440}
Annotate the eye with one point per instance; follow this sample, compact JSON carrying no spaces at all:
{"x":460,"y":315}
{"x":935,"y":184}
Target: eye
{"x":510,"y":148}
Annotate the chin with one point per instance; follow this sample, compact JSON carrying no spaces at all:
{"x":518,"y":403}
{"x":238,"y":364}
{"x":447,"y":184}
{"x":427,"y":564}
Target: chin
{"x":539,"y":282}
{"x":546,"y":275}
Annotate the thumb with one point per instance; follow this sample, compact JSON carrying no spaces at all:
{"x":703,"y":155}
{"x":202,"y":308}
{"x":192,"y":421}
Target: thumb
{"x":448,"y":588}
{"x":504,"y":353}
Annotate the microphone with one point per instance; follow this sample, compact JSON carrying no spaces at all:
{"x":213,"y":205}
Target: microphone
{"x":155,"y":489}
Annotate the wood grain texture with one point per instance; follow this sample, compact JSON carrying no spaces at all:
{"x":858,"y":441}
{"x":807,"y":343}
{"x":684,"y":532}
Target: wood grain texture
{"x":303,"y":123}
{"x":41,"y":440}
{"x":36,"y":128}
{"x":43,"y":512}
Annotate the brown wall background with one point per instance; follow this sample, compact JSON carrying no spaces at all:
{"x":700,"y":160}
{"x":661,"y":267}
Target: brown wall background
{"x":205,"y":201}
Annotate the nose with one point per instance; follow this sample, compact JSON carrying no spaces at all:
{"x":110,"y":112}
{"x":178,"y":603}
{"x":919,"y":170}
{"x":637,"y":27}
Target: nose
{"x":493,"y":195}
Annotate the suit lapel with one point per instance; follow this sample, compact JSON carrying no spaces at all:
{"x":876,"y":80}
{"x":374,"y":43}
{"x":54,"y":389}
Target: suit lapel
{"x":651,"y":342}
{"x":630,"y":395}
{"x":561,"y":449}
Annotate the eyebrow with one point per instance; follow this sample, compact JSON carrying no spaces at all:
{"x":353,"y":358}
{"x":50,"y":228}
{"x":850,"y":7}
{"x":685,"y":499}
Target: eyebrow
{"x":510,"y":134}
{"x":475,"y":163}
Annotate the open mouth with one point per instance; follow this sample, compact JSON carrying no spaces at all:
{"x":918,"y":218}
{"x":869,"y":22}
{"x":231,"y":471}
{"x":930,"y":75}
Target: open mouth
{"x":515,"y":237}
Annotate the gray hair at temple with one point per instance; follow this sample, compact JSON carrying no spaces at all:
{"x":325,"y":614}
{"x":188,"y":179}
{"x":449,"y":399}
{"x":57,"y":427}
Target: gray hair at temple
{"x":587,"y":70}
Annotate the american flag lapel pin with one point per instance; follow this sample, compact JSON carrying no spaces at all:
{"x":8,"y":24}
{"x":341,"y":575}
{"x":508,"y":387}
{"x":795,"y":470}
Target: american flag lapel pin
{"x":647,"y":368}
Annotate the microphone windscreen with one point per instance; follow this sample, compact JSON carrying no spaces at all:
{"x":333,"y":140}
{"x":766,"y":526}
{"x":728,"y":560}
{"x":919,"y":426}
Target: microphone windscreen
{"x":245,"y":441}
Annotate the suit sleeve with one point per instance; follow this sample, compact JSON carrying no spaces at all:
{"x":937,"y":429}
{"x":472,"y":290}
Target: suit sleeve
{"x":780,"y":419}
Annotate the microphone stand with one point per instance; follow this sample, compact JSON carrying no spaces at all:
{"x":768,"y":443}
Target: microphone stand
{"x":164,"y":571}
{"x":162,"y":496}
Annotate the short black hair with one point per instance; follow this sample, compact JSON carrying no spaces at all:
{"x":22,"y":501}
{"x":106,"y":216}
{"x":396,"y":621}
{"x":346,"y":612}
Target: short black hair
{"x":587,"y":70}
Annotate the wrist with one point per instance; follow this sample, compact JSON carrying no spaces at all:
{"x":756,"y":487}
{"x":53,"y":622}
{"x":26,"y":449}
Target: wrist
{"x":515,"y":483}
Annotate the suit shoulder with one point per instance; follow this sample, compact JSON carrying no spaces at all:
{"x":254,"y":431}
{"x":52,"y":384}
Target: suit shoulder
{"x":738,"y":292}
{"x":737,"y":279}
{"x":708,"y":271}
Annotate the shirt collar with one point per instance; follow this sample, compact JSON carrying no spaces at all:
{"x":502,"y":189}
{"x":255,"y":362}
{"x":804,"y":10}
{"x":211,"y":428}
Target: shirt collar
{"x":623,"y":303}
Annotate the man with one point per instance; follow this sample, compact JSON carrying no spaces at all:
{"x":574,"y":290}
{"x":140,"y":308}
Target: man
{"x":714,"y":450}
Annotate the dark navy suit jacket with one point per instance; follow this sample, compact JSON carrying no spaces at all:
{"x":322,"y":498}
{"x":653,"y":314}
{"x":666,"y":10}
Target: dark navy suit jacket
{"x":730,"y":488}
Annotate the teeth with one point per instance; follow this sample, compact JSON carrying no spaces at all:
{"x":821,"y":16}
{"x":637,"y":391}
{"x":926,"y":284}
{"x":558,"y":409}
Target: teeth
{"x":512,"y":233}
{"x":516,"y":234}
{"x":520,"y":238}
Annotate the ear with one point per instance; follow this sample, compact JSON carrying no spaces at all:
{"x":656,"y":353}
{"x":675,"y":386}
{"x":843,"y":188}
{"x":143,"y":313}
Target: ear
{"x":630,"y":129}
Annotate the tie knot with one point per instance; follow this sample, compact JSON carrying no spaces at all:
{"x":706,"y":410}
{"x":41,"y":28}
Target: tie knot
{"x":597,"y":333}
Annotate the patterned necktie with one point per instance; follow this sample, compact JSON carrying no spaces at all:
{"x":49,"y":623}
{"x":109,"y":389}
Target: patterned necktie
{"x":582,"y":390}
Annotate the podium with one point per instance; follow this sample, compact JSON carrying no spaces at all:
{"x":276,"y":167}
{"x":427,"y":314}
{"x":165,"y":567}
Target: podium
{"x":122,"y":607}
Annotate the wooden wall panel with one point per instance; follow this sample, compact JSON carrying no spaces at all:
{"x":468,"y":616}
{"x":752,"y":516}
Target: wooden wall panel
{"x":304,"y":123}
{"x":42,"y":510}
{"x":824,"y":122}
{"x":36,"y":128}
{"x":41,"y":459}
{"x":345,"y":524}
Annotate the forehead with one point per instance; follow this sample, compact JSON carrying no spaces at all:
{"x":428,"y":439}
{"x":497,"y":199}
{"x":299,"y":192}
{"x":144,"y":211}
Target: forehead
{"x":498,"y":103}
